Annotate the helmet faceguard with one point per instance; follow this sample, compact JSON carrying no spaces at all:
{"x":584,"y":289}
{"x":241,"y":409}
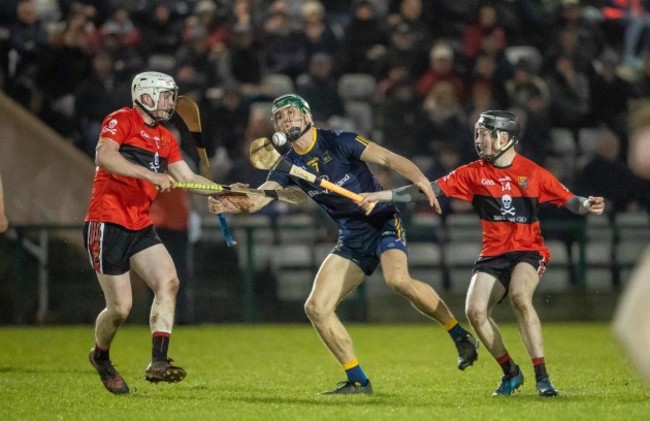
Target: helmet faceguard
{"x":301,"y":119}
{"x":154,"y":84}
{"x":495,"y":122}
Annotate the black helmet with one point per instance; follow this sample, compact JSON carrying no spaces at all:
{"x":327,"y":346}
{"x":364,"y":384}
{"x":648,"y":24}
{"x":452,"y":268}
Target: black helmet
{"x":498,"y":121}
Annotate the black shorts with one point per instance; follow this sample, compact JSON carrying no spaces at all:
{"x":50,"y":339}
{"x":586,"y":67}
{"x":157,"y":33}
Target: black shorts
{"x":501,"y":266}
{"x":110,"y":246}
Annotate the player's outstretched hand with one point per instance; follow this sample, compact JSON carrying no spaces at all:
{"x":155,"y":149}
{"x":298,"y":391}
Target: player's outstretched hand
{"x":596,"y":205}
{"x":425,"y":187}
{"x":229,"y":204}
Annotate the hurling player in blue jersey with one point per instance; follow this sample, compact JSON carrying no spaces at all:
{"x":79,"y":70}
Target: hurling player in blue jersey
{"x":363,"y":241}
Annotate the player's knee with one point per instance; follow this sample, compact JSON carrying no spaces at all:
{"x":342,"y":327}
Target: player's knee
{"x":316,"y":311}
{"x":521,"y":303}
{"x":475,"y":314}
{"x":399,"y":283}
{"x":169,"y":287}
{"x":120,"y":312}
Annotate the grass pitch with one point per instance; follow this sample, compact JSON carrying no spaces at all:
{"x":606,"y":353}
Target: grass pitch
{"x":274,"y":372}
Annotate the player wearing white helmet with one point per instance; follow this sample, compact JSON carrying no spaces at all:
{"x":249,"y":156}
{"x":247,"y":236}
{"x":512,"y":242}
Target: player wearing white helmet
{"x":155,"y":94}
{"x":136,"y":158}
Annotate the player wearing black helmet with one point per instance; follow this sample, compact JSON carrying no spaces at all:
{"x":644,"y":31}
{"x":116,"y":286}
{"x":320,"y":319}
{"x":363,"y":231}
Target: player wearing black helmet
{"x":505,"y":189}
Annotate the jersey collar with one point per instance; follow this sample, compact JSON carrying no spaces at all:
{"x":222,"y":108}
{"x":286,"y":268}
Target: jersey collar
{"x":314,"y":135}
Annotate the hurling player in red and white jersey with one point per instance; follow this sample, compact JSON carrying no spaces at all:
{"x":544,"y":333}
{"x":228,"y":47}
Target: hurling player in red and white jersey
{"x":136,"y":158}
{"x":505,"y":189}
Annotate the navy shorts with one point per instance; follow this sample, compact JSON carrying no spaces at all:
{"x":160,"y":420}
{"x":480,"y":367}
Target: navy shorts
{"x":501,"y":266}
{"x":366,"y":245}
{"x":110,"y":246}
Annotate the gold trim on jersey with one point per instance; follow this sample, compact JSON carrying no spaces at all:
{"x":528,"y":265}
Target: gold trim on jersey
{"x":398,"y":228}
{"x":362,"y":140}
{"x":314,"y":135}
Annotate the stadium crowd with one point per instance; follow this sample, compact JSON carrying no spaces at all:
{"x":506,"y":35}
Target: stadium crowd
{"x":574,"y":71}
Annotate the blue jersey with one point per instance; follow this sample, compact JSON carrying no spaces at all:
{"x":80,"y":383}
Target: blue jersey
{"x":335,"y":155}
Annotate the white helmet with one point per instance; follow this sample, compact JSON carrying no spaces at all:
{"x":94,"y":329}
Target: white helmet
{"x":153,"y":84}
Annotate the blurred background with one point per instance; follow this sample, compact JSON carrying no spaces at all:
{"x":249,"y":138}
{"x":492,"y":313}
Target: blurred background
{"x":412,"y":75}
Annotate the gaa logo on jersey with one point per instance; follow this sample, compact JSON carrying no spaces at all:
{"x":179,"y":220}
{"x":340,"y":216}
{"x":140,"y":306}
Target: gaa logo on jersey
{"x":523,"y":181}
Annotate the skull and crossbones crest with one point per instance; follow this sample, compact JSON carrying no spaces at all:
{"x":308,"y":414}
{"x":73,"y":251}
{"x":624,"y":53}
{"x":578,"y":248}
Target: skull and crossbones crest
{"x":507,"y":208}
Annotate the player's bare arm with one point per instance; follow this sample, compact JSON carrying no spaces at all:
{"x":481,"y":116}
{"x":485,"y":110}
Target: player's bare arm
{"x":242,"y":204}
{"x":411,"y":193}
{"x":108,"y":157}
{"x":404,"y":167}
{"x":586,"y":205}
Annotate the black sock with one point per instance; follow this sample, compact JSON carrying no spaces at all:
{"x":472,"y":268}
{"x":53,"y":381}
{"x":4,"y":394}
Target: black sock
{"x":540,"y":368}
{"x":507,"y":365}
{"x":100,"y":354}
{"x":160,"y":345}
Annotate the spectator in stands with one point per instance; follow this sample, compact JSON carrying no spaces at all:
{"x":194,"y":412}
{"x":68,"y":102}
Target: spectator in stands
{"x":404,"y":49}
{"x":197,"y":54}
{"x":229,"y":121}
{"x":125,"y":60}
{"x":590,"y":36}
{"x":317,"y":34}
{"x":365,"y":40}
{"x":284,"y":50}
{"x":213,"y":21}
{"x":160,"y":33}
{"x":484,"y":74}
{"x":567,"y":44}
{"x":620,"y":187}
{"x":487,"y":24}
{"x":242,"y":62}
{"x":441,"y":68}
{"x":525,"y":84}
{"x":125,"y":29}
{"x":403,"y":118}
{"x":536,"y":128}
{"x":569,"y":95}
{"x":319,"y":88}
{"x":417,"y":15}
{"x":62,"y":67}
{"x":445,"y":116}
{"x":396,"y":73}
{"x":95,"y":98}
{"x":28,"y":39}
{"x":610,"y":96}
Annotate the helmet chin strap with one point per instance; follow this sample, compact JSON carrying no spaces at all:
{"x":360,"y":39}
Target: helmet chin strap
{"x":147,"y":112}
{"x":155,"y":119}
{"x":294,"y":133}
{"x":508,"y":145}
